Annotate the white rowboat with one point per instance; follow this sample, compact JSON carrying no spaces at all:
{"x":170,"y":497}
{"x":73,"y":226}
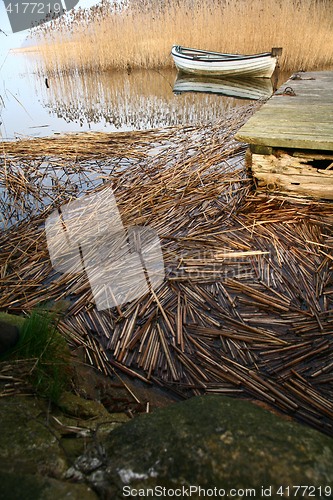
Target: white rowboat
{"x":202,"y":62}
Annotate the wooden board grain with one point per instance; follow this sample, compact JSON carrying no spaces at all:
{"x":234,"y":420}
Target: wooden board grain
{"x":303,"y":120}
{"x":286,"y":174}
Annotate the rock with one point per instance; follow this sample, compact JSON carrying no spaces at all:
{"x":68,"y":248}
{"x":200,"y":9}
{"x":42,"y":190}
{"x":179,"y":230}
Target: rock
{"x":9,"y":336}
{"x":12,"y":319}
{"x":25,"y":444}
{"x":213,"y":442}
{"x":15,"y":486}
{"x":82,"y":408}
{"x":33,"y":463}
{"x":60,"y":306}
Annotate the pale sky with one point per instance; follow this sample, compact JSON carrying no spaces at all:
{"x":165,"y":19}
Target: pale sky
{"x":14,"y":40}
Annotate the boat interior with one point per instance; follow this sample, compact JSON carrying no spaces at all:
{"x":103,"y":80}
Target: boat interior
{"x":204,"y":55}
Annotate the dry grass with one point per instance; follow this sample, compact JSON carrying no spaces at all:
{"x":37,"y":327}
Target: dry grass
{"x":138,"y":35}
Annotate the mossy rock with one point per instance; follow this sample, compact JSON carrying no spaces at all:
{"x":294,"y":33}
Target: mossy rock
{"x":84,"y":409}
{"x":12,"y":319}
{"x":77,"y":411}
{"x":16,"y":486}
{"x":215,"y":441}
{"x":27,"y":446}
{"x":25,"y":443}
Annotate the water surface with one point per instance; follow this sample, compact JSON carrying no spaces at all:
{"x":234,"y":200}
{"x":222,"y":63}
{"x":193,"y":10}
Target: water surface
{"x":109,"y":101}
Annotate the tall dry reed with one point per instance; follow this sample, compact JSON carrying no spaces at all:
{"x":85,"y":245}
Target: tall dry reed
{"x":141,"y":34}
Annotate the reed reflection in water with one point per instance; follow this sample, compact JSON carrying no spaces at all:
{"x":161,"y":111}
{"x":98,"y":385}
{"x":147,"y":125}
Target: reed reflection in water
{"x":142,"y":99}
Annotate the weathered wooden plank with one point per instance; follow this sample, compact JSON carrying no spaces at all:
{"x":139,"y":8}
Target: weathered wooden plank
{"x":285,"y":116}
{"x":286,"y":174}
{"x":311,"y":154}
{"x":302,"y":121}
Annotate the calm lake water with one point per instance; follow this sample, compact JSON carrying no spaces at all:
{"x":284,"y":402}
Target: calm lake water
{"x":113,"y":101}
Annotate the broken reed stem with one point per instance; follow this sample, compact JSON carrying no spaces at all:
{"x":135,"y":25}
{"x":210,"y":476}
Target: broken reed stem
{"x":247,"y":300}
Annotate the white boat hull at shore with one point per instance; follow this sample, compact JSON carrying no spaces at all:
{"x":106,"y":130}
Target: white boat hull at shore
{"x":200,"y":62}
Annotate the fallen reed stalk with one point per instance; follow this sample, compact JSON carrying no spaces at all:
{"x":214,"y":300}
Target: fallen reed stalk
{"x":246,"y":308}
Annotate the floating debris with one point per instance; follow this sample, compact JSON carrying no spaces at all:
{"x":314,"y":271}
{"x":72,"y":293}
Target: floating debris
{"x":246,"y":307}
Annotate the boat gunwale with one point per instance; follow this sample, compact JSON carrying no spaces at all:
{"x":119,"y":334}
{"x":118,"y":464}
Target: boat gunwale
{"x":222,"y":58}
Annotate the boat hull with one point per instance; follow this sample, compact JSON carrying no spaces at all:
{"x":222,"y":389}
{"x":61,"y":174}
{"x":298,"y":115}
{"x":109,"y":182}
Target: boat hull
{"x":197,"y":62}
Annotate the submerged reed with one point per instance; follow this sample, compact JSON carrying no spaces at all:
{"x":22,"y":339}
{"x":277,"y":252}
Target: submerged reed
{"x":142,"y":32}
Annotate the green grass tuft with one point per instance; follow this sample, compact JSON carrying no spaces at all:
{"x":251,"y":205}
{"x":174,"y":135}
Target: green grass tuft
{"x":46,"y":353}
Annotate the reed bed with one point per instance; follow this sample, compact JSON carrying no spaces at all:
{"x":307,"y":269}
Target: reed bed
{"x":246,"y":307}
{"x":140,"y":34}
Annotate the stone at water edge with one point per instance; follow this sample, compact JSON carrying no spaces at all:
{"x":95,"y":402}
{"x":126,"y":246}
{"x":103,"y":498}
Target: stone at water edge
{"x":12,"y":319}
{"x":16,"y":486}
{"x":9,"y":336}
{"x":214,"y":441}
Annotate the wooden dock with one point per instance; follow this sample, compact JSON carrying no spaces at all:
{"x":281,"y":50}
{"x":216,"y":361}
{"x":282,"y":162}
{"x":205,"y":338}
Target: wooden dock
{"x":291,"y":138}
